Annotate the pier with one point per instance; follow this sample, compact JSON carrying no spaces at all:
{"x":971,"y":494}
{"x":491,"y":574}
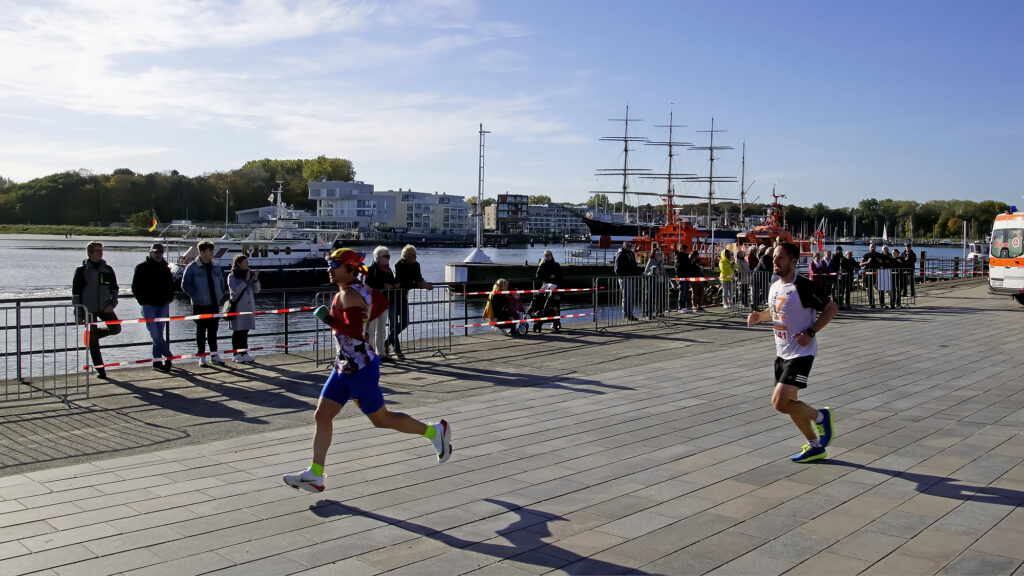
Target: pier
{"x":647,"y":449}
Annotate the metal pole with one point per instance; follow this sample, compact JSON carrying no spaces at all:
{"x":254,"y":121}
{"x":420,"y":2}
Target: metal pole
{"x":285,"y":306}
{"x":17,"y":337}
{"x":227,"y":203}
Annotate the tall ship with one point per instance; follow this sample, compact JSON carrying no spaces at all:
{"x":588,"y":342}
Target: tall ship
{"x":621,"y":226}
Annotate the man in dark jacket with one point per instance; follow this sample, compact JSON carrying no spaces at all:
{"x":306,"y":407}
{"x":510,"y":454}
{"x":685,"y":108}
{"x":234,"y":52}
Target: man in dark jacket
{"x":628,"y":271}
{"x":872,"y":262}
{"x":154,"y":290}
{"x":847,"y":266}
{"x":910,"y":261}
{"x":407,"y":277}
{"x":684,"y":269}
{"x":95,"y":287}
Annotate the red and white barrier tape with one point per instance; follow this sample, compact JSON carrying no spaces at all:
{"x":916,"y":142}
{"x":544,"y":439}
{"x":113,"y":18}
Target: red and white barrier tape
{"x":102,"y":323}
{"x":545,"y":319}
{"x":524,"y":291}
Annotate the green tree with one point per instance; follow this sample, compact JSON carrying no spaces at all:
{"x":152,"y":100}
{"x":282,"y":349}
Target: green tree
{"x":540,"y":199}
{"x":323,"y":167}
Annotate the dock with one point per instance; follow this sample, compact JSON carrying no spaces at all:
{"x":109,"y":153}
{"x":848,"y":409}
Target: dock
{"x":647,"y":449}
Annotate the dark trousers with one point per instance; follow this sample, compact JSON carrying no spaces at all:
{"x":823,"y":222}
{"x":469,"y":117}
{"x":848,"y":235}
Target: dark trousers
{"x":239,"y":340}
{"x":95,"y":334}
{"x":206,"y":330}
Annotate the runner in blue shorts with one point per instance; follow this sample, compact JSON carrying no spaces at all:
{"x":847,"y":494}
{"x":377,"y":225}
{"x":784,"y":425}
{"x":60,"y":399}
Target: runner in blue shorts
{"x":356,"y":372}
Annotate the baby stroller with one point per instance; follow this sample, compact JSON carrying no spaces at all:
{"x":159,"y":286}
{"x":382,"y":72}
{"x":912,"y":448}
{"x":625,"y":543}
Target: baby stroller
{"x":545,"y":305}
{"x":509,"y":308}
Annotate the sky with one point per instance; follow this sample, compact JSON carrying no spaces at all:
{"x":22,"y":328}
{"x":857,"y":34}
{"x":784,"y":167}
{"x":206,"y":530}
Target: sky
{"x":835,"y":101}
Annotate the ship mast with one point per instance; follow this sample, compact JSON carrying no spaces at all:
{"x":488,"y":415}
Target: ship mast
{"x":625,"y":171}
{"x":670,"y":195}
{"x":711,"y":179}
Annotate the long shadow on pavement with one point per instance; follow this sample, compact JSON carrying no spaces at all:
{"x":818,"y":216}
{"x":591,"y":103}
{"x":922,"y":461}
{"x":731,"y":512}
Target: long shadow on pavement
{"x":942,"y":486}
{"x":525,"y":534}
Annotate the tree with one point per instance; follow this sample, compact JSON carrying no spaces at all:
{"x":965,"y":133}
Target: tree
{"x":323,"y":167}
{"x":954,"y":226}
{"x":597,"y":200}
{"x":541,"y":199}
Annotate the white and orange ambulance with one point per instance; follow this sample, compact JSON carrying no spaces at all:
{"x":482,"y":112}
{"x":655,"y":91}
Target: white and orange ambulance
{"x":1006,"y":260}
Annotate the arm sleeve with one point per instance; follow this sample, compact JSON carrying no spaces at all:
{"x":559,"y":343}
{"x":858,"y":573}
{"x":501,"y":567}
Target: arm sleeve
{"x":76,"y":286}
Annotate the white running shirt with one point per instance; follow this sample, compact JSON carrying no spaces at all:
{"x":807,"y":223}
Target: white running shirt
{"x":795,"y":306}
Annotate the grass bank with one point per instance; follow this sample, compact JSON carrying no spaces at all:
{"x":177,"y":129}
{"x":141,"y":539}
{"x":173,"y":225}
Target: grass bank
{"x":74,"y":230}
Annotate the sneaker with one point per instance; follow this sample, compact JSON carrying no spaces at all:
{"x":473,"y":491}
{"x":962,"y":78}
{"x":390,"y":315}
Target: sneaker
{"x":442,"y":441}
{"x":246,"y":358}
{"x":239,"y":358}
{"x":825,"y":429}
{"x":204,"y":360}
{"x":216,"y":359}
{"x":809,"y":454}
{"x":305,"y":480}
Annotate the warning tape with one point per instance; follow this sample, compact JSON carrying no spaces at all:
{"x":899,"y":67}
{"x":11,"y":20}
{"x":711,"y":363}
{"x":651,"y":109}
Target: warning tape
{"x":102,"y":323}
{"x":545,"y":319}
{"x":524,"y":291}
{"x":188,"y":356}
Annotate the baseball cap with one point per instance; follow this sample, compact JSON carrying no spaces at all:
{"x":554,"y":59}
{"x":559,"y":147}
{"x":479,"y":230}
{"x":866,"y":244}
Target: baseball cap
{"x":158,"y":247}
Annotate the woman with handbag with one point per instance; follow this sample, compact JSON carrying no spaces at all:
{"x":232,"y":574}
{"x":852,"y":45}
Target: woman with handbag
{"x":242,"y":284}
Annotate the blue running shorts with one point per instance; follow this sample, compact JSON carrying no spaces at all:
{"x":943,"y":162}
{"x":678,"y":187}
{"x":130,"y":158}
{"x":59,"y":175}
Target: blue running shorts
{"x":363,"y":387}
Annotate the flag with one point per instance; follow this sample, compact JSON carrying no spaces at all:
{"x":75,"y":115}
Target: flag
{"x":152,"y":225}
{"x":885,"y":233}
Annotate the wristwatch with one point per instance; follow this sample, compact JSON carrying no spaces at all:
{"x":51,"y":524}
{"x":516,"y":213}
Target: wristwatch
{"x":809,"y":332}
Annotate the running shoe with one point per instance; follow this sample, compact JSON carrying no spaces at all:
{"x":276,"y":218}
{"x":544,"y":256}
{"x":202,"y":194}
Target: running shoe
{"x":809,"y":454}
{"x":204,"y":360}
{"x":216,"y":359}
{"x":305,"y":480}
{"x":825,"y":428}
{"x":442,"y":441}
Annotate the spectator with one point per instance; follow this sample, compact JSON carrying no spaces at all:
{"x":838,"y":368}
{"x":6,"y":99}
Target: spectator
{"x":94,"y":287}
{"x":817,"y":271}
{"x":762,"y":276}
{"x":832,"y":261}
{"x":684,"y":269}
{"x":847,"y":268}
{"x":380,"y":277}
{"x":872,"y":262}
{"x":654,"y":280}
{"x":743,"y":276}
{"x":242,"y":284}
{"x":910,"y":263}
{"x":203,"y":281}
{"x":698,"y":286}
{"x":549,"y":272}
{"x":407,"y":277}
{"x":886,"y":277}
{"x":153,"y":287}
{"x":727,"y":274}
{"x":626,"y":268}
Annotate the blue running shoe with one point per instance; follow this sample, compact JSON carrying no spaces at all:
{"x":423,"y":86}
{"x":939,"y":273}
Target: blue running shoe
{"x":825,"y":429}
{"x":809,"y":454}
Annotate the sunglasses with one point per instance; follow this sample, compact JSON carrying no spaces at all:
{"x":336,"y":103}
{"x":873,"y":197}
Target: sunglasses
{"x":334,"y":264}
{"x":385,"y":255}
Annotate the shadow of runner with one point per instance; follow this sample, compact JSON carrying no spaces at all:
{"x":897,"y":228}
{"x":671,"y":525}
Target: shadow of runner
{"x":549,"y":555}
{"x":942,"y":486}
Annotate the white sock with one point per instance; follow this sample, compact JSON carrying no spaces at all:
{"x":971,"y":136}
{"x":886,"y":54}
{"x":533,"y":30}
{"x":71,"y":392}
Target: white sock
{"x":816,"y":443}
{"x":820,"y":418}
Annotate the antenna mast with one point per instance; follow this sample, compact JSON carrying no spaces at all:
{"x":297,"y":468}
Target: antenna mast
{"x":625,"y":171}
{"x":670,"y":193}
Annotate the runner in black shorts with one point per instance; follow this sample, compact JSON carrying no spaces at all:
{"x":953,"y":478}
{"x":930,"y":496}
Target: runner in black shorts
{"x":794,"y":304}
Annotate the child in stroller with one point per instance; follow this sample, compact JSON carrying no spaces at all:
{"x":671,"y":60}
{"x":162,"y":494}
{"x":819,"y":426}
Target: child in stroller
{"x":504,"y":307}
{"x":545,"y":305}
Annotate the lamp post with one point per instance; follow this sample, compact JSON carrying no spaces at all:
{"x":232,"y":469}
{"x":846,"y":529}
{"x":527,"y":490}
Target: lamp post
{"x":227,"y":204}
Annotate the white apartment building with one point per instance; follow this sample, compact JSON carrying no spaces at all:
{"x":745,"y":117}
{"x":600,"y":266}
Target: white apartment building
{"x":357,"y":205}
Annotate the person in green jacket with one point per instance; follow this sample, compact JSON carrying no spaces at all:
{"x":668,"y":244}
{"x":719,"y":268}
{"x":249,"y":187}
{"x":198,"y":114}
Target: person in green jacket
{"x":727,"y":274}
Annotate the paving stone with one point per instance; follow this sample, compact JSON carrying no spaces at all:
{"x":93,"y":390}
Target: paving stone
{"x":971,"y":563}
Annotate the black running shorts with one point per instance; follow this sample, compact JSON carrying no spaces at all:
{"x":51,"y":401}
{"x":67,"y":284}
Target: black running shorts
{"x":793,"y":371}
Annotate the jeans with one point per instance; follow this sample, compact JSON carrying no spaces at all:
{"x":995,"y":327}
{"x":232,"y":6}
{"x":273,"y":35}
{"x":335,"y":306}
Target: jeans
{"x":684,"y":295}
{"x":206,"y":330}
{"x":628,"y":287}
{"x":161,"y":349}
{"x":398,"y":314}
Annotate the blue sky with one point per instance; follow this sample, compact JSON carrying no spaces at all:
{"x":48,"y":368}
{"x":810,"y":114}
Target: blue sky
{"x":836,"y":101}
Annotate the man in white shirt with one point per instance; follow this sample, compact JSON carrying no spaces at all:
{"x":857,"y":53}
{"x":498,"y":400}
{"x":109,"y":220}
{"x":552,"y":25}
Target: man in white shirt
{"x":794,"y":303}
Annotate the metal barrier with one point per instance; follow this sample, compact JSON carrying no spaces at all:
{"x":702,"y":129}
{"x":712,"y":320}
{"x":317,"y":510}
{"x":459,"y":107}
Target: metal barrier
{"x":42,"y":350}
{"x":421,"y":320}
{"x":620,"y":300}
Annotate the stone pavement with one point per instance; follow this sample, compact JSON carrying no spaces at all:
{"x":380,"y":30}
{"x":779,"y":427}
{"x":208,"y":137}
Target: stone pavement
{"x":646,"y":450}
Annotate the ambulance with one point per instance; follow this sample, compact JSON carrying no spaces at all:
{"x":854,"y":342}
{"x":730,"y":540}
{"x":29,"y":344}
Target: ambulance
{"x":1006,"y":259}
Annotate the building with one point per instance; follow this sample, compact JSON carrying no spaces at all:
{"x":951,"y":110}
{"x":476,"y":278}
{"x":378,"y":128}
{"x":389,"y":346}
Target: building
{"x":508,"y":215}
{"x":356,"y":205}
{"x":556,"y":221}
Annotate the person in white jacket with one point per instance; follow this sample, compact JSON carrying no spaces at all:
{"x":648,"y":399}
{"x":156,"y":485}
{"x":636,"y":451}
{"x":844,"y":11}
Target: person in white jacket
{"x":242,"y":284}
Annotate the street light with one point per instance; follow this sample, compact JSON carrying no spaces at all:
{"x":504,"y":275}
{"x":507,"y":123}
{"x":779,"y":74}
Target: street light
{"x":227,"y":203}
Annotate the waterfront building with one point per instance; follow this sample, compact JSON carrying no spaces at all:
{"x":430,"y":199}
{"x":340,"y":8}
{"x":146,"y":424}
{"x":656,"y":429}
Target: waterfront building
{"x":556,"y":221}
{"x":356,"y":205}
{"x":508,"y":215}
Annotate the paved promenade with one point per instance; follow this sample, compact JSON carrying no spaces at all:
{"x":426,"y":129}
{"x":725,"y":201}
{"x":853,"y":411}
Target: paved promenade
{"x":646,"y":450}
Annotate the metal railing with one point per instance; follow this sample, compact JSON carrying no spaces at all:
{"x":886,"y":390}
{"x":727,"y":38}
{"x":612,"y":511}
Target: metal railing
{"x":42,"y":349}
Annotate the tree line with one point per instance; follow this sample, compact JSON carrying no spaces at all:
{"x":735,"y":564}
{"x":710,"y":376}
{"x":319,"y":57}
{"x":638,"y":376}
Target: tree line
{"x":83,"y":197}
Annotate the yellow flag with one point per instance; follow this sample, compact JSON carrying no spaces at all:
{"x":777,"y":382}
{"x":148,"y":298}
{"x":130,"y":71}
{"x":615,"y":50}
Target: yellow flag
{"x":153,"y":225}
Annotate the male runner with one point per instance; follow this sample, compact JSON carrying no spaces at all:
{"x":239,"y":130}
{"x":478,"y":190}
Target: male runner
{"x":793,"y":304}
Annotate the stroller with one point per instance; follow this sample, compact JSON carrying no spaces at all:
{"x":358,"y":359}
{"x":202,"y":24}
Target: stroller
{"x":510,"y":308}
{"x":545,"y":305}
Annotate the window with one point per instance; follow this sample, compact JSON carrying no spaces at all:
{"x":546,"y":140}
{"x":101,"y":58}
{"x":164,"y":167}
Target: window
{"x":1008,"y":243}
